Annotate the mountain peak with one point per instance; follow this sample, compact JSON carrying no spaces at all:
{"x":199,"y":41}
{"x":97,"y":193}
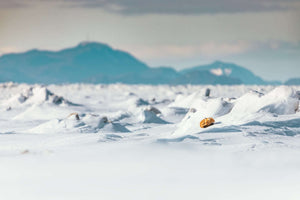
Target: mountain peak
{"x":222,"y":64}
{"x":231,"y":70}
{"x":86,"y":62}
{"x":90,"y":44}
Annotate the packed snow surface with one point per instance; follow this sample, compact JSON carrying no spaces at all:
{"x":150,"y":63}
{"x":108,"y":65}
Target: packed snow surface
{"x":120,"y":141}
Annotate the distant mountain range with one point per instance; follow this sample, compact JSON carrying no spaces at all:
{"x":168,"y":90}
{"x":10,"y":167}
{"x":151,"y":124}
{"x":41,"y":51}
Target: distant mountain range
{"x":92,"y":62}
{"x":293,"y":81}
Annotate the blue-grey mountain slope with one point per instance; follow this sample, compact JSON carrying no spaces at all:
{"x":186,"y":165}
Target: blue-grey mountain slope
{"x":77,"y":64}
{"x":293,"y":81}
{"x":228,"y":72}
{"x":93,"y":62}
{"x":196,"y":77}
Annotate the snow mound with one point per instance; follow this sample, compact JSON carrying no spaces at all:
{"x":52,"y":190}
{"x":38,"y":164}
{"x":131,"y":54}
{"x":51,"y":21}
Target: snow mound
{"x":35,"y":96}
{"x":154,"y":110}
{"x":112,"y":127}
{"x":209,"y":108}
{"x":85,"y":123}
{"x":120,"y":115}
{"x":188,"y":101}
{"x":151,"y":115}
{"x":251,"y":106}
{"x":69,"y":124}
{"x":42,"y":112}
{"x":281,"y":101}
{"x":141,"y":102}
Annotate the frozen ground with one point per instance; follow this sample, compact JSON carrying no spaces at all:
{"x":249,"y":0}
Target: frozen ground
{"x":144,"y":142}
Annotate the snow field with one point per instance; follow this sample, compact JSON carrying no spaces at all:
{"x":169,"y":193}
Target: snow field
{"x":120,"y":141}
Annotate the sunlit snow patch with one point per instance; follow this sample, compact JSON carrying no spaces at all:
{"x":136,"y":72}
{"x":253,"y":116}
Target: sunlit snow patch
{"x":217,"y":72}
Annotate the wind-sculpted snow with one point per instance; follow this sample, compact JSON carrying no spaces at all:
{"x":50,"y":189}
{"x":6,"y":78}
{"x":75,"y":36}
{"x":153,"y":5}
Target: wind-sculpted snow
{"x":122,"y":108}
{"x":87,"y":123}
{"x":116,"y":141}
{"x":281,"y":100}
{"x":234,"y":112}
{"x":35,"y":96}
{"x":151,"y":115}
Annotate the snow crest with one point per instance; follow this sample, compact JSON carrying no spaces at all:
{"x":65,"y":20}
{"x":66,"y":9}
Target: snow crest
{"x":250,"y":107}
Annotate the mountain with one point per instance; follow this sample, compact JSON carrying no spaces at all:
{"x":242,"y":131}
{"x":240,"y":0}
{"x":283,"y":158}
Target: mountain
{"x":228,"y":72}
{"x":77,"y":64}
{"x":293,"y":81}
{"x":196,"y":77}
{"x":93,"y":62}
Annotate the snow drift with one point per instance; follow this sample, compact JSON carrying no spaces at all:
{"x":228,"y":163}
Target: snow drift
{"x":35,"y":96}
{"x":151,"y":115}
{"x":252,"y":106}
{"x":85,"y":123}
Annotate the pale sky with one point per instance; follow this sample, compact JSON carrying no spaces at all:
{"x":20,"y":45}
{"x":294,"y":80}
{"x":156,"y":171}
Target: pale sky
{"x":262,"y":35}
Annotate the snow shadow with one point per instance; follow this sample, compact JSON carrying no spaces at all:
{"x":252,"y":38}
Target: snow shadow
{"x":286,"y":128}
{"x":293,"y":123}
{"x":179,"y":139}
{"x":222,"y":130}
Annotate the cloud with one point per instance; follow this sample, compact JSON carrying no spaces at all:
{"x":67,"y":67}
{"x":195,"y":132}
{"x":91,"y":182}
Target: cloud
{"x":8,"y":49}
{"x":187,"y":6}
{"x":207,"y":50}
{"x":4,"y":4}
{"x":180,"y":56}
{"x":136,"y":7}
{"x":201,"y":6}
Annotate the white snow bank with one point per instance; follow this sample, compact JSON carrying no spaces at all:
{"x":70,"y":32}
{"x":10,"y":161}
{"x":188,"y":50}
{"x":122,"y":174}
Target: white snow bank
{"x":282,"y":100}
{"x":251,"y":106}
{"x":42,"y":112}
{"x":151,"y":115}
{"x":86,"y":123}
{"x":35,"y":96}
{"x":209,"y":108}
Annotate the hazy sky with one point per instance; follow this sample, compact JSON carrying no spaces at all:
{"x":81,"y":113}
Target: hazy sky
{"x":262,"y":35}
